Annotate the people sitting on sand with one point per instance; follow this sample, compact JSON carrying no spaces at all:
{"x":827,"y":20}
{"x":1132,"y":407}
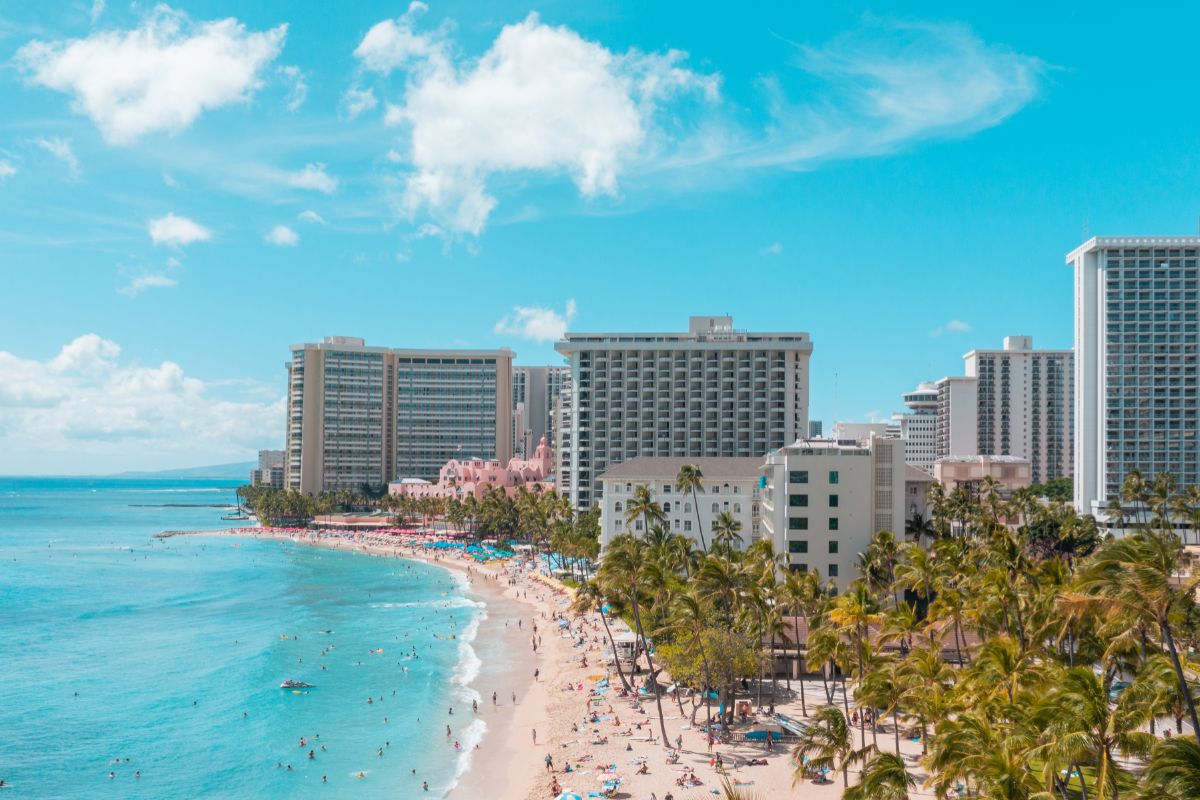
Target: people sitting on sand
{"x":644,"y":769}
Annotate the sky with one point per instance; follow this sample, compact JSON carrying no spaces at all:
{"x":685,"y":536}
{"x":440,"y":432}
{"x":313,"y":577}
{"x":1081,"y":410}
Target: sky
{"x":186,"y":190}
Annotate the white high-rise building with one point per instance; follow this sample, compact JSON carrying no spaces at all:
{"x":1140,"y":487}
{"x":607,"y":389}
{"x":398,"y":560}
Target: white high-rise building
{"x":1136,"y":339}
{"x":1016,"y":401}
{"x":823,"y":502}
{"x":710,"y":392}
{"x":918,"y":426}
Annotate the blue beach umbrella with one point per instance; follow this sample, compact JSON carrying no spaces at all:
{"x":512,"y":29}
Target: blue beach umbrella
{"x":568,"y":796}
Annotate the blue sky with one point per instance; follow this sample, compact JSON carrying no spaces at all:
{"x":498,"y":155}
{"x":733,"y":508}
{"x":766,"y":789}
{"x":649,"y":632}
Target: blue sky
{"x":187,"y":190}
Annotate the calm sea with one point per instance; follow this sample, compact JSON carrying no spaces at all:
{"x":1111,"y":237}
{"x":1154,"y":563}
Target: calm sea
{"x":121,"y":652}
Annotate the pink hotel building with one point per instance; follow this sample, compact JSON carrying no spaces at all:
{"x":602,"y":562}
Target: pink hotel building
{"x":459,"y":478}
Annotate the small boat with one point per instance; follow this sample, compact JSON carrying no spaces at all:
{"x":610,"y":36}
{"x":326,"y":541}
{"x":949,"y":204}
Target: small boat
{"x":234,"y":517}
{"x":290,"y":684}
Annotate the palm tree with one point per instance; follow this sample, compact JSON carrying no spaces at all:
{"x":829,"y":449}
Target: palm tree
{"x":725,"y":530}
{"x":854,"y":614}
{"x":801,"y":594}
{"x":884,"y":777}
{"x":1173,"y":772}
{"x":589,"y":598}
{"x":1134,"y":577}
{"x":643,"y":505}
{"x":825,"y":744}
{"x":691,"y":479}
{"x":1081,"y":726}
{"x":623,"y":573}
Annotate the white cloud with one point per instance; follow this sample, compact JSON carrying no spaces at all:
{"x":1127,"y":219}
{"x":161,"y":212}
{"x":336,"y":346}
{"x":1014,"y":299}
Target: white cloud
{"x":314,"y":176}
{"x":310,"y":216}
{"x":141,"y":283}
{"x":298,"y":91}
{"x":773,"y":249}
{"x":170,"y":180}
{"x":61,"y":149}
{"x":7,"y":170}
{"x":283,"y":236}
{"x":87,"y":408}
{"x":536,"y":324}
{"x":356,"y":101}
{"x":953,"y":326}
{"x":176,"y":231}
{"x":393,"y":156}
{"x":97,"y":10}
{"x":159,"y":76}
{"x":393,"y":43}
{"x":541,"y":98}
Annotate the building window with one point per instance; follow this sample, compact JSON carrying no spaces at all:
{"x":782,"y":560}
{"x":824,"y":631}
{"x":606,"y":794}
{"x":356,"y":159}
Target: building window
{"x":798,"y":500}
{"x":687,"y":525}
{"x":833,"y":476}
{"x":833,"y":501}
{"x":687,"y":508}
{"x":618,"y":506}
{"x":737,"y":490}
{"x":833,"y":570}
{"x":798,"y":476}
{"x":716,"y":507}
{"x":628,"y":488}
{"x":798,"y":523}
{"x":617,"y":524}
{"x":676,"y":525}
{"x":737,"y":508}
{"x":800,"y":546}
{"x":666,"y":508}
{"x":799,"y":567}
{"x":637,"y":525}
{"x":833,"y":547}
{"x":833,"y":523}
{"x":715,"y":490}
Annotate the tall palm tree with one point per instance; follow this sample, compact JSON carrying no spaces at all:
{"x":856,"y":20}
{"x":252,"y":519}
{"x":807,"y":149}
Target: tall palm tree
{"x":855,"y":613}
{"x":1134,"y":577}
{"x":725,"y":530}
{"x":826,"y":743}
{"x":643,"y":505}
{"x":691,"y":480}
{"x":623,"y":573}
{"x":801,"y":594}
{"x":589,"y":598}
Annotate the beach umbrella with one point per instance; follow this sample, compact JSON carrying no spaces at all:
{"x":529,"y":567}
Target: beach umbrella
{"x":568,"y":796}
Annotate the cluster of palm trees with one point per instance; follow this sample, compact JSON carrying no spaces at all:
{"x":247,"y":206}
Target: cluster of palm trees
{"x":1024,"y":651}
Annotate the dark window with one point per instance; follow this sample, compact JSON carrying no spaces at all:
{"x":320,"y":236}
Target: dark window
{"x":798,"y":547}
{"x":833,"y":501}
{"x":833,"y":547}
{"x":833,"y":523}
{"x":833,"y":570}
{"x":833,"y":476}
{"x":798,"y":523}
{"x":798,"y":476}
{"x":798,"y":500}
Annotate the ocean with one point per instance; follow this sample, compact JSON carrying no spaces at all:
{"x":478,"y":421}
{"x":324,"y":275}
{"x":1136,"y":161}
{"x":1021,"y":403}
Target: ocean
{"x":126,"y":653}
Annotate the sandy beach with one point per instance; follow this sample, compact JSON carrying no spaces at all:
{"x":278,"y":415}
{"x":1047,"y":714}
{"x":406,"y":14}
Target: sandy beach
{"x":576,"y":717}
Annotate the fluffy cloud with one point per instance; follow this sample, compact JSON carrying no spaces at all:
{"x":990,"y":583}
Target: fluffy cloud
{"x":314,"y":176}
{"x":176,"y":231}
{"x":87,"y":408}
{"x":97,"y":10}
{"x":536,"y":324}
{"x":141,"y":283}
{"x":356,"y":101}
{"x":953,"y":326}
{"x":541,"y":98}
{"x":283,"y":236}
{"x":159,"y":76}
{"x":310,"y":216}
{"x":7,"y":170}
{"x":61,"y":149}
{"x":298,"y":87}
{"x":393,"y":43}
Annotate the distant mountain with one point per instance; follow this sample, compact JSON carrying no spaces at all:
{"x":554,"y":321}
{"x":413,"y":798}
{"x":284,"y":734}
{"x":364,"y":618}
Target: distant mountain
{"x":239,"y":471}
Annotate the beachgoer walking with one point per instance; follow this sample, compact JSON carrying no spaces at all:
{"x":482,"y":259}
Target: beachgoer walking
{"x":535,"y":735}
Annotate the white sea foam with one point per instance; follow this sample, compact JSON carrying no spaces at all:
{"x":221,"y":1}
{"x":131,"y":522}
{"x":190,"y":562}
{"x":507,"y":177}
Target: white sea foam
{"x":465,"y":673}
{"x":471,"y":736}
{"x":453,"y":602}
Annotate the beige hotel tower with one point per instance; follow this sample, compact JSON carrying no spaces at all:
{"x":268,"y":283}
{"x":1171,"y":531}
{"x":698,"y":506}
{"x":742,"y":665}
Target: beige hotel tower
{"x":358,"y":414}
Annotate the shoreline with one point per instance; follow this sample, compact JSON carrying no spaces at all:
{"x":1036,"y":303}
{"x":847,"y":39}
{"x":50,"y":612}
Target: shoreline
{"x":499,"y":752}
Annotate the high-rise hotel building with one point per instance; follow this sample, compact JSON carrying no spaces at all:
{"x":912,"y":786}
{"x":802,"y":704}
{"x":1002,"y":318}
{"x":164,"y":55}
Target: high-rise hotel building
{"x":1136,"y":338}
{"x":1016,"y":401}
{"x":710,"y":392}
{"x":535,"y":392}
{"x":359,"y":414}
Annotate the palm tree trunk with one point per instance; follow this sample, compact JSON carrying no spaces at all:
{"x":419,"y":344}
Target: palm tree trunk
{"x":699,"y":526}
{"x":637,"y":618}
{"x":616,"y":655}
{"x":1165,"y":626}
{"x":803,"y":702}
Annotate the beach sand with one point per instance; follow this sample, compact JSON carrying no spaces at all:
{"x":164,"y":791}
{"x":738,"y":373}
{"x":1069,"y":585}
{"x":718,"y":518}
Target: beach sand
{"x":510,"y":765}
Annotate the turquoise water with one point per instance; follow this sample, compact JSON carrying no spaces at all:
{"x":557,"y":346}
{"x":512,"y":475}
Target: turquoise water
{"x":169,"y":653}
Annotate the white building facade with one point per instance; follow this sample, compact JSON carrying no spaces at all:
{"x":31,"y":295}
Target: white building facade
{"x":823,"y":502}
{"x":730,"y":485}
{"x":1015,"y":401}
{"x":712,"y":392}
{"x":918,"y":426}
{"x":1136,"y":369}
